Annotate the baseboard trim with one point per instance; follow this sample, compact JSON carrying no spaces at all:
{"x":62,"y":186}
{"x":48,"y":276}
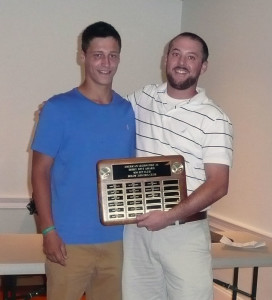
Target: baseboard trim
{"x":221,"y":293}
{"x":16,"y":203}
{"x":219,"y":223}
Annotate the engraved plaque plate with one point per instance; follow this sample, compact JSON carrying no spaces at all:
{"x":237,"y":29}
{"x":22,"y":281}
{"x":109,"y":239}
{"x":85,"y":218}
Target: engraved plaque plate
{"x":130,"y":187}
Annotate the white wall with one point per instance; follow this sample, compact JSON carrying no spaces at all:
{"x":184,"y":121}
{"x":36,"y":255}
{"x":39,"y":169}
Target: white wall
{"x":238,"y":79}
{"x":38,"y":59}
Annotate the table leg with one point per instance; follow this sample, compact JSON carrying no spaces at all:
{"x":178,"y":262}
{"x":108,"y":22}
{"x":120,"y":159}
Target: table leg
{"x":254,"y":283}
{"x":9,"y":284}
{"x":9,"y":287}
{"x":235,"y":283}
{"x":234,"y":286}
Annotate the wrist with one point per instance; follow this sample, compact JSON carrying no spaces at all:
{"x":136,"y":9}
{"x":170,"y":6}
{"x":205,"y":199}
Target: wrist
{"x":171,"y":217}
{"x":46,"y":230}
{"x":174,"y":214}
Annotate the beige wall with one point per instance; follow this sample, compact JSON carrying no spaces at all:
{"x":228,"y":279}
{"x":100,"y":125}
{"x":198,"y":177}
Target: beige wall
{"x":38,"y":59}
{"x":239,"y":79}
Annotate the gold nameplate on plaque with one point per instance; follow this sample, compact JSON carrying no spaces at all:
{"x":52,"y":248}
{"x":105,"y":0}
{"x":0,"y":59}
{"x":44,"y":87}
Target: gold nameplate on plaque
{"x":134,"y":186}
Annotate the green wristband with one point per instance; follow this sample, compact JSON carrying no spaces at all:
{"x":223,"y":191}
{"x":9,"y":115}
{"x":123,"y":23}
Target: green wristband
{"x":48,"y":229}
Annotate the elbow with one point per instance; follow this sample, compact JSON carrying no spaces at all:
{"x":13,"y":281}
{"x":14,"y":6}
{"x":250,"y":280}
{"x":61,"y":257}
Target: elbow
{"x":223,"y":191}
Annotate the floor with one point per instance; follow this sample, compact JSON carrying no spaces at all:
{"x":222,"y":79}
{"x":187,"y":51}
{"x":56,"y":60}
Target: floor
{"x":23,"y":291}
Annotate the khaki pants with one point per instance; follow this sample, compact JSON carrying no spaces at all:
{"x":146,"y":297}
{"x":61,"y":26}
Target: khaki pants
{"x":170,"y":264}
{"x":93,"y":269}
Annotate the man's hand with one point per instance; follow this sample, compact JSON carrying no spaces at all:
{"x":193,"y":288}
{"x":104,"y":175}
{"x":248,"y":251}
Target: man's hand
{"x":54,"y":248}
{"x":154,"y":220}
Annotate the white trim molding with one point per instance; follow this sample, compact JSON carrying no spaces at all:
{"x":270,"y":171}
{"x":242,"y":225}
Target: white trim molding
{"x":16,"y":203}
{"x":220,"y":223}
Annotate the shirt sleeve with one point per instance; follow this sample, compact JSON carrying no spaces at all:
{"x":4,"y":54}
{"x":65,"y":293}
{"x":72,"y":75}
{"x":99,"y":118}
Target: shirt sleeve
{"x":218,"y":142}
{"x":49,"y":131}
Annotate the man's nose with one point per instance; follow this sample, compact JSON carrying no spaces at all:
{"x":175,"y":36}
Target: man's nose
{"x":182,"y":60}
{"x":105,"y":60}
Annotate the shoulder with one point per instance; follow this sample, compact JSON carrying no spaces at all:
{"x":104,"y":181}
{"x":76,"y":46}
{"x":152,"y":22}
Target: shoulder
{"x":118,"y":98}
{"x":149,"y":91}
{"x":153,"y":89}
{"x":65,"y":97}
{"x":208,"y":107}
{"x":64,"y":102}
{"x":59,"y":104}
{"x":121,"y":105}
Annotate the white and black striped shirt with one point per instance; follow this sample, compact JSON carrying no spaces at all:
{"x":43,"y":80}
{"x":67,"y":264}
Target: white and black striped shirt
{"x":195,"y":128}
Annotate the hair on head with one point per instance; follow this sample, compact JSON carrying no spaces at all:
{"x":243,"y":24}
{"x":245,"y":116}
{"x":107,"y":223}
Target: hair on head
{"x":98,"y":30}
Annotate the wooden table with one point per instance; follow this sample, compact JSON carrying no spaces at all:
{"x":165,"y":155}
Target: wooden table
{"x":21,"y":254}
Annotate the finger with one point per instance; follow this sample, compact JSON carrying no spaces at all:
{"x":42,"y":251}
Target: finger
{"x":52,"y":258}
{"x":142,"y":217}
{"x":56,"y":257}
{"x":62,"y":262}
{"x":63,"y":251}
{"x":60,"y":259}
{"x":144,"y":223}
{"x":140,"y":224}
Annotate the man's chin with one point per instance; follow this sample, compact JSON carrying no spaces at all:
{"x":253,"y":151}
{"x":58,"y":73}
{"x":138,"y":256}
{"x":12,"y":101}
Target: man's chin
{"x":181,"y":85}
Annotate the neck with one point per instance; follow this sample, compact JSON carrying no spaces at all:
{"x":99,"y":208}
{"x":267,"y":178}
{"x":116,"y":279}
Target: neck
{"x":181,"y":94}
{"x":99,"y":94}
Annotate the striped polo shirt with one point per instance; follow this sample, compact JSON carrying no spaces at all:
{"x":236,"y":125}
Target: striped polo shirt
{"x":195,"y":128}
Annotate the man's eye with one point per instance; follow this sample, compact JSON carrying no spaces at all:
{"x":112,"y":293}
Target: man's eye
{"x":191,"y":57}
{"x":114,"y":56}
{"x":175,"y":54}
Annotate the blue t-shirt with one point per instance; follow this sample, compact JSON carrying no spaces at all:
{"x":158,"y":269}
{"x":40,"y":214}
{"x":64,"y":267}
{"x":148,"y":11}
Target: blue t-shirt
{"x":77,"y":133}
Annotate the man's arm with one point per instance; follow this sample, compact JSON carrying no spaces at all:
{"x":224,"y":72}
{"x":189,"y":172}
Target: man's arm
{"x":54,"y":247}
{"x":214,"y":188}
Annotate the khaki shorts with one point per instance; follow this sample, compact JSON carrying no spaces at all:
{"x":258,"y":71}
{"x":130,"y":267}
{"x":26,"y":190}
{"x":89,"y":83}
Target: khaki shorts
{"x":170,"y":264}
{"x":93,"y":269}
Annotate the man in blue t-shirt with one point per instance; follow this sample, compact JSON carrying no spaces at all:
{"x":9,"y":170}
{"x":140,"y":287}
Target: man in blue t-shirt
{"x":75,"y":130}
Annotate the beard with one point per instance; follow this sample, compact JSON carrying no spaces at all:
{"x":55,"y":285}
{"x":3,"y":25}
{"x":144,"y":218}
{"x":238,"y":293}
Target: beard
{"x":181,"y":85}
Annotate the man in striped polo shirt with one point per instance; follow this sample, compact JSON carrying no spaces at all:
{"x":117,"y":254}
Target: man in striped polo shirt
{"x":173,"y":262}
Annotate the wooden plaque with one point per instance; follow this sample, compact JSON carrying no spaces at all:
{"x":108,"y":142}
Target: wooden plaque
{"x":130,"y":187}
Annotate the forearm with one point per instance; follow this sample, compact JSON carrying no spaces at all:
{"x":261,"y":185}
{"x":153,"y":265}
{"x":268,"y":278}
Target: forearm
{"x":200,"y":199}
{"x":213,"y":189}
{"x":42,"y":190}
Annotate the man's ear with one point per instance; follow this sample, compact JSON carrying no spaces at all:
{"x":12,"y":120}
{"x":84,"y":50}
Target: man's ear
{"x":82,"y":57}
{"x":204,"y":67}
{"x":165,"y":58}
